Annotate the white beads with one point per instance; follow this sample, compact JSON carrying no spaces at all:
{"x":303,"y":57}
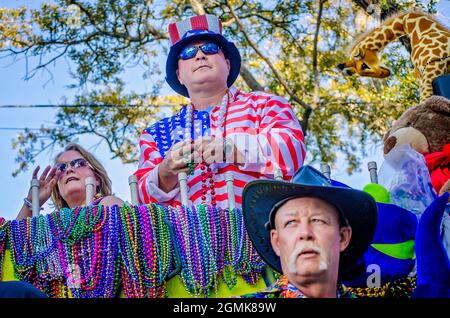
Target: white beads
{"x":220,"y":117}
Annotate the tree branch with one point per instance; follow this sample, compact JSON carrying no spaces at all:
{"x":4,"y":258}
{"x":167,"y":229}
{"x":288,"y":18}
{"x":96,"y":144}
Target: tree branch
{"x":250,"y":80}
{"x":157,"y":35}
{"x":315,"y":70}
{"x":268,"y":62}
{"x":197,"y":7}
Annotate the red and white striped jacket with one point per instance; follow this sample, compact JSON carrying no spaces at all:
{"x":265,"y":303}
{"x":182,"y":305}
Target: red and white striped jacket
{"x":262,"y":126}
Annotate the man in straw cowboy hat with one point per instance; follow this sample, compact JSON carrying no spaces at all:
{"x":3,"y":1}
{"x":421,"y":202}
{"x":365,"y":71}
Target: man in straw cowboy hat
{"x":221,"y":130}
{"x":315,"y":231}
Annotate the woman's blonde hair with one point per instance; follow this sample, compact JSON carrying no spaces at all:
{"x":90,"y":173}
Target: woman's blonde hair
{"x":104,"y":188}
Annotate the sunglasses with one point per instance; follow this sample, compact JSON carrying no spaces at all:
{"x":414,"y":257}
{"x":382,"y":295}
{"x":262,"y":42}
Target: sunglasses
{"x":191,"y":51}
{"x":75,"y":164}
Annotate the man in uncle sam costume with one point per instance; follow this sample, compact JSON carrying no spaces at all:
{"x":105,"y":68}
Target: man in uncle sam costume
{"x":221,"y":130}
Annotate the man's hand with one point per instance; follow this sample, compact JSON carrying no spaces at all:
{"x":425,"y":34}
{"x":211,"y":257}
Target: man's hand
{"x":175,"y":161}
{"x":218,"y":150}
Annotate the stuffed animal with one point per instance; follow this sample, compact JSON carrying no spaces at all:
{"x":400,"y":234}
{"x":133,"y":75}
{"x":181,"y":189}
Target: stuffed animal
{"x":430,"y":49}
{"x":426,"y":127}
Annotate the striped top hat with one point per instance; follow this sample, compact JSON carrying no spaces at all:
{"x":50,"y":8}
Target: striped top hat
{"x":198,"y":28}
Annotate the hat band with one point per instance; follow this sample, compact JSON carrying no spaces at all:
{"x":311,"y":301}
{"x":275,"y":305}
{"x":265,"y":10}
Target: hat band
{"x":190,"y":33}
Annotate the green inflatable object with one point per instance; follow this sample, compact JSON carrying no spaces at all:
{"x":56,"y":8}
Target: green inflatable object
{"x":379,"y":193}
{"x":404,"y":250}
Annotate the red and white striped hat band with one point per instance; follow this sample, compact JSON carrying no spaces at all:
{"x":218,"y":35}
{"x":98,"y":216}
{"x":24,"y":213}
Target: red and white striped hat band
{"x":208,"y":23}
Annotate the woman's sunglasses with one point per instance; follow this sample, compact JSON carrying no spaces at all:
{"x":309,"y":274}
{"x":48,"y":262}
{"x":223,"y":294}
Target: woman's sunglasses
{"x":75,"y":164}
{"x":191,"y":51}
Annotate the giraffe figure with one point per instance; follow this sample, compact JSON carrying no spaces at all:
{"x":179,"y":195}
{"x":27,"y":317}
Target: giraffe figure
{"x":430,"y":49}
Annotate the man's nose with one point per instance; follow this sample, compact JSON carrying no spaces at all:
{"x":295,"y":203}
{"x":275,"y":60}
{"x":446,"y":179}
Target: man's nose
{"x":305,"y":231}
{"x":200,"y":55}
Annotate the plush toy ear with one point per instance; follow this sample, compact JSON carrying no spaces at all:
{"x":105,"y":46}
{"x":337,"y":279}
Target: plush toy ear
{"x":438,"y":104}
{"x":386,"y":134}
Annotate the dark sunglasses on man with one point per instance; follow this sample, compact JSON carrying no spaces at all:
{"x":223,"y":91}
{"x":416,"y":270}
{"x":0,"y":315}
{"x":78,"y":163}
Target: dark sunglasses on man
{"x":74,"y":164}
{"x":191,"y":51}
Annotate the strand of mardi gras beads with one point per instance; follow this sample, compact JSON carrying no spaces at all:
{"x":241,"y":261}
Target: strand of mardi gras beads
{"x":150,"y":251}
{"x":49,"y":267}
{"x":84,"y":238}
{"x":145,"y":247}
{"x":249,"y":264}
{"x":90,"y":254}
{"x":204,"y":234}
{"x":4,"y":225}
{"x":91,"y":240}
{"x":229,"y":275}
{"x":131,"y":277}
{"x":178,"y":218}
{"x":187,"y":238}
{"x":212,"y":243}
{"x":33,"y":254}
{"x":38,"y":254}
{"x":399,"y":288}
{"x":164,"y":242}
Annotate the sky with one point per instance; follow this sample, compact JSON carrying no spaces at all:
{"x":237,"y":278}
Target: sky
{"x":14,"y":90}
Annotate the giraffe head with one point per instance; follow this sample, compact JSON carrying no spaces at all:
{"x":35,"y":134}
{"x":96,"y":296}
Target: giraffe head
{"x":364,"y":62}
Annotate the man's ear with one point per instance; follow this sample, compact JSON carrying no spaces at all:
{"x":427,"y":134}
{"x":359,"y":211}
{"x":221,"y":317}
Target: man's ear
{"x":346,"y":235}
{"x":229,"y":65}
{"x":275,"y":242}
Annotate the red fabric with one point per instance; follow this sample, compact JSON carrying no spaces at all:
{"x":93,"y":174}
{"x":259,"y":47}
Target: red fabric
{"x":438,"y":164}
{"x":173,"y":32}
{"x":199,"y":23}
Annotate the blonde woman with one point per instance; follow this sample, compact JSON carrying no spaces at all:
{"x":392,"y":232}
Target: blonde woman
{"x":65,"y":181}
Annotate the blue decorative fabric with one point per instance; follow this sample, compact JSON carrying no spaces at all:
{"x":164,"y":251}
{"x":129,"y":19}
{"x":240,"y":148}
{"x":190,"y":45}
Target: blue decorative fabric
{"x":170,"y":130}
{"x":433,"y":265}
{"x":15,"y":289}
{"x":394,"y":225}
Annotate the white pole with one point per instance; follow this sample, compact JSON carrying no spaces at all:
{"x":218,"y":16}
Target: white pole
{"x":35,"y":197}
{"x":182,"y":179}
{"x":133,"y":183}
{"x":372,"y":166}
{"x":326,"y":170}
{"x":90,"y":186}
{"x":230,"y":190}
{"x":278,"y":174}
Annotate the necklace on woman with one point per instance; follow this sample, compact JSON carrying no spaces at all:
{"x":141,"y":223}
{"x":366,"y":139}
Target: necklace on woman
{"x":206,"y":171}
